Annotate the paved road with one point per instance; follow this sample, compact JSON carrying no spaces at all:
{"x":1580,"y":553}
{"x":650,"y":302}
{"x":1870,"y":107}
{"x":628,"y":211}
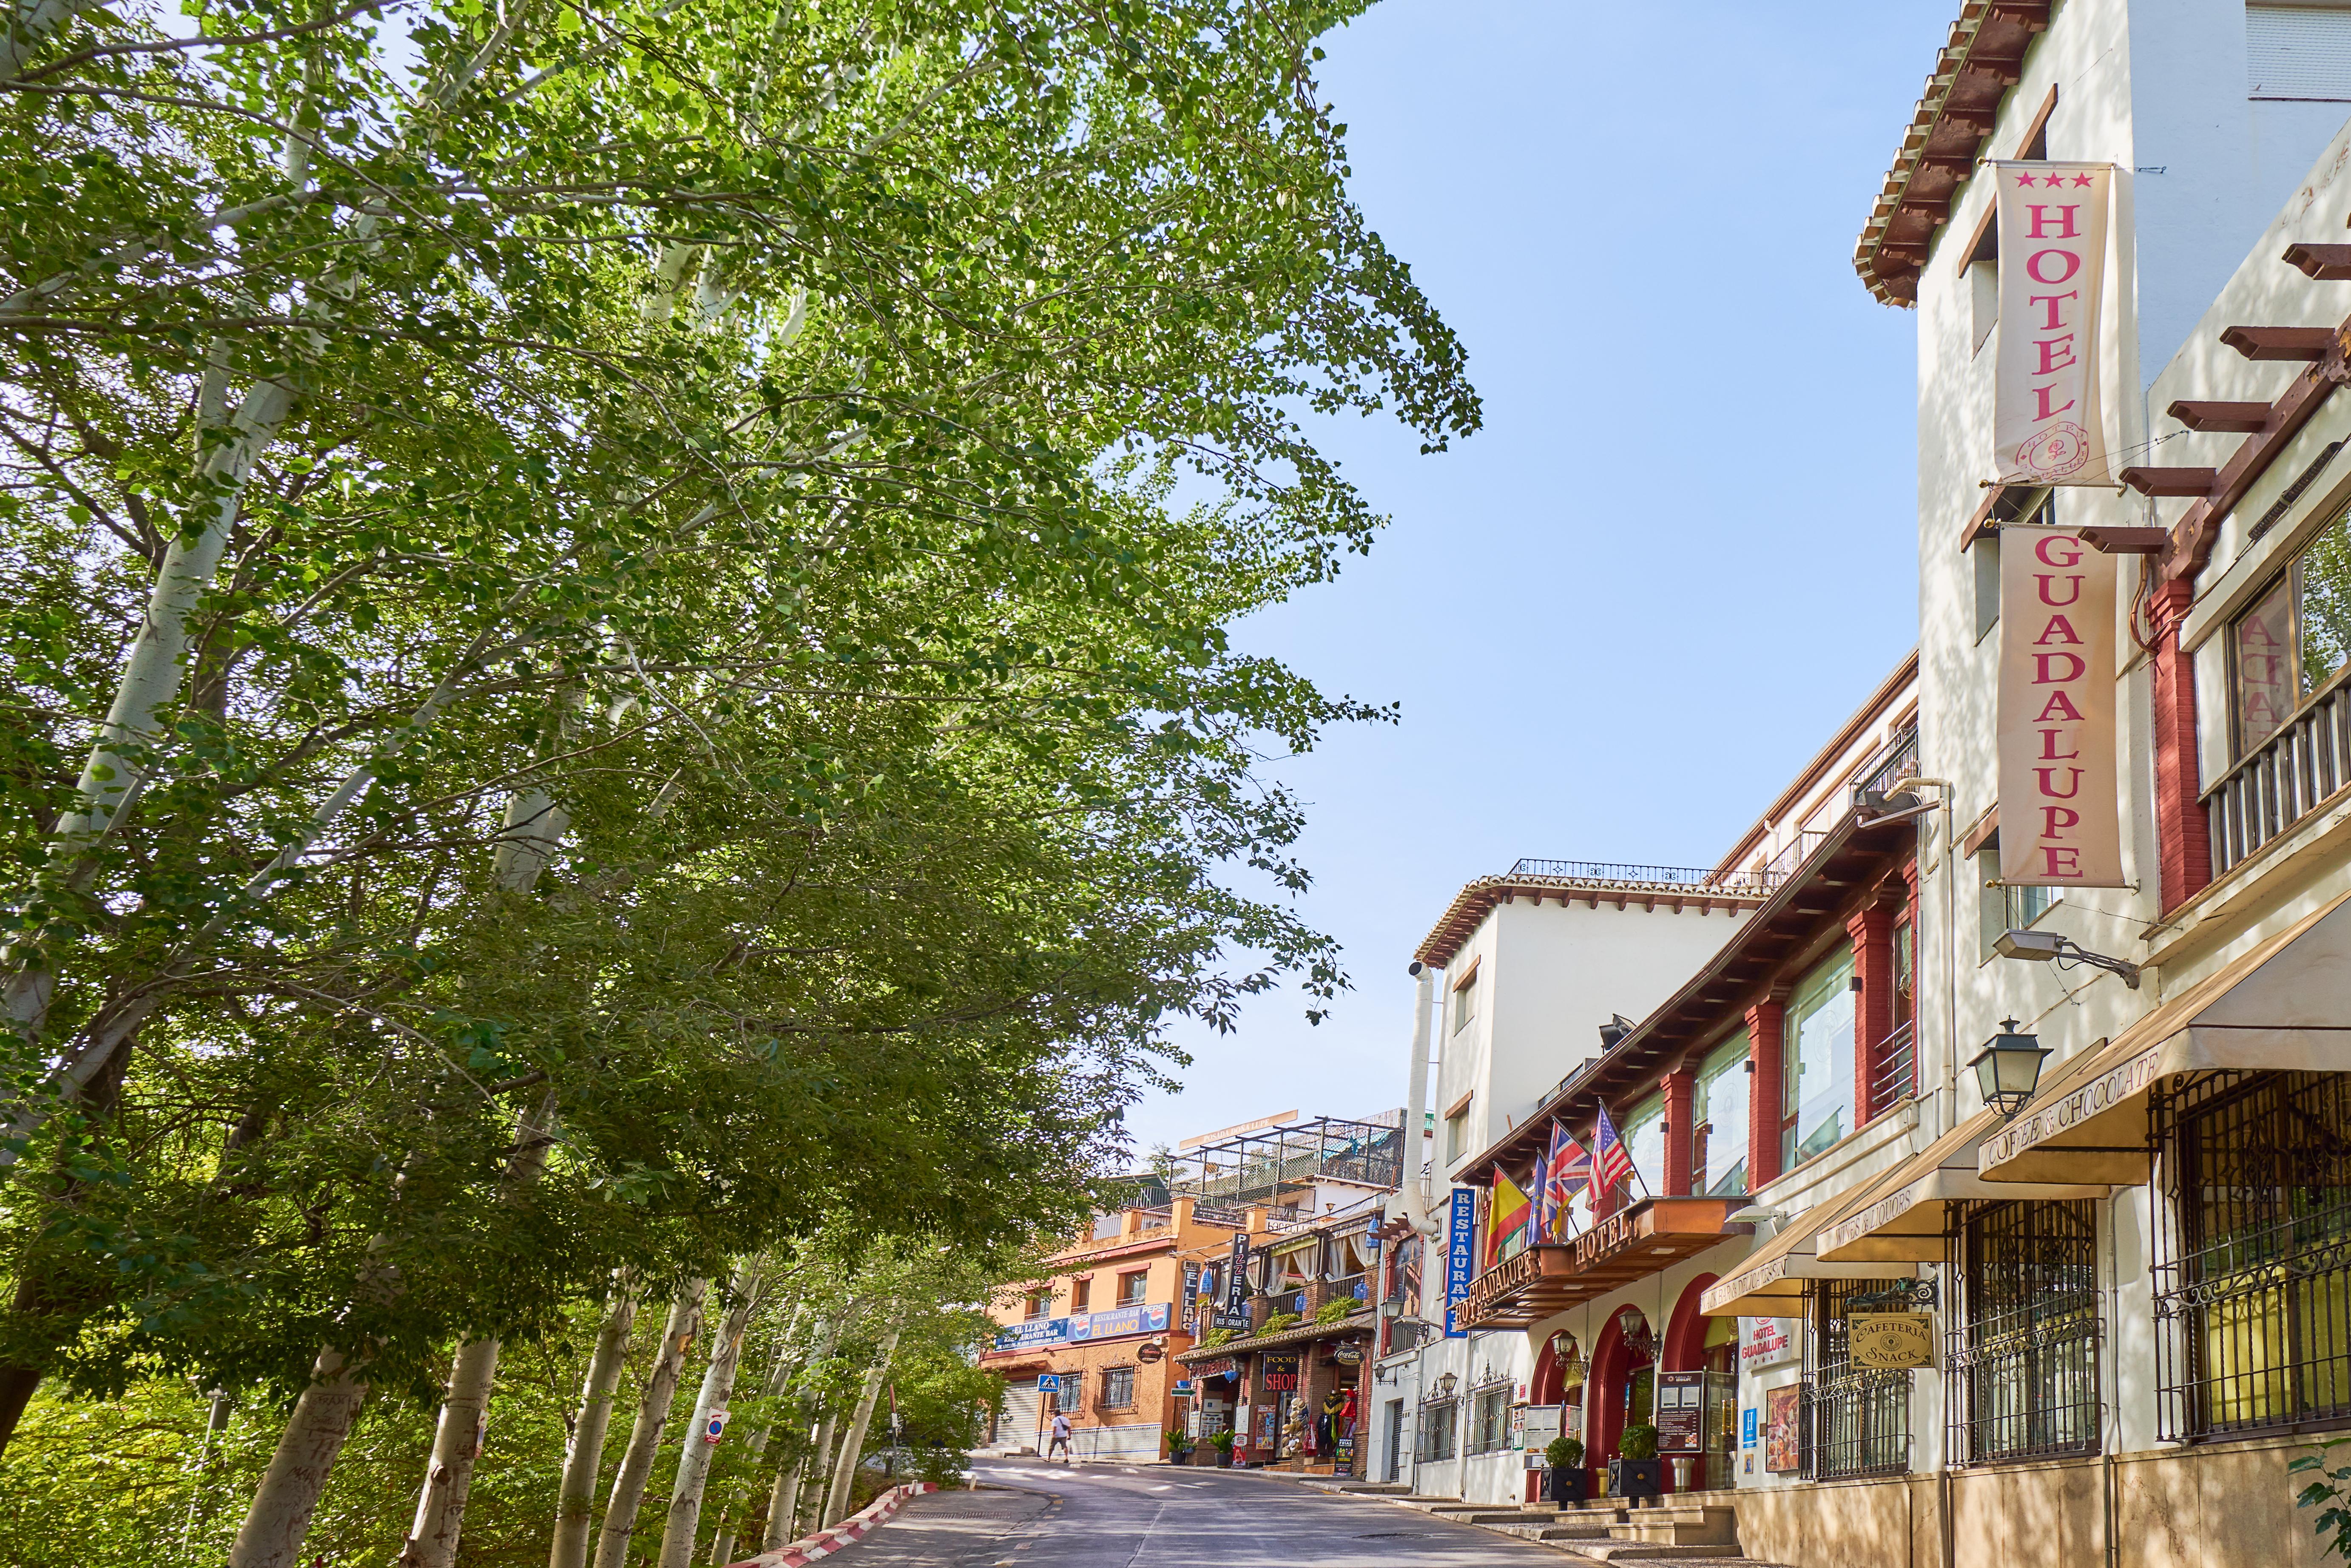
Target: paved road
{"x":1031,"y":1515}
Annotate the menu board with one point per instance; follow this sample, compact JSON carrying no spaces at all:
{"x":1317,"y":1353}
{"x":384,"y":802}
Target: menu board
{"x":1681,"y":1410}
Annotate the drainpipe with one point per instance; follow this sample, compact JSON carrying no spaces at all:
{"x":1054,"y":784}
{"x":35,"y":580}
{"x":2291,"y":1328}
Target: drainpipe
{"x":1422,"y":1187}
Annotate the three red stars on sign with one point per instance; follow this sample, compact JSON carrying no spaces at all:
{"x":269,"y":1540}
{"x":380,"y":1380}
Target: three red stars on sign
{"x":2054,"y":180}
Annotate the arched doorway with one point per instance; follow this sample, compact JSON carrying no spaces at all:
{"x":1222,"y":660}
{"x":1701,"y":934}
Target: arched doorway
{"x":1695,"y":1342}
{"x":1623,"y":1382}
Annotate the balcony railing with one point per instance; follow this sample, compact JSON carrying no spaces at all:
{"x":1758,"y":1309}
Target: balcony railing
{"x":1896,"y":760}
{"x":2292,"y":774}
{"x":1896,"y":1076}
{"x":1615,"y":870}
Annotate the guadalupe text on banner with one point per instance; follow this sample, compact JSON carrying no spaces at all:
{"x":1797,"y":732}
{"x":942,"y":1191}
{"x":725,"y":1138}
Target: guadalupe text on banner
{"x":2060,"y":825}
{"x":2048,"y":427}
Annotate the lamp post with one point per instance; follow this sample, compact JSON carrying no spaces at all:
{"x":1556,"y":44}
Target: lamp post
{"x":2008,"y":1069}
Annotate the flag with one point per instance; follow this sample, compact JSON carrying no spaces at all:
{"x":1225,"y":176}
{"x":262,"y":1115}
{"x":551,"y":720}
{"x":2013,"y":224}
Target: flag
{"x":1567,"y":1170}
{"x":1512,"y":1211}
{"x":1614,"y":1160}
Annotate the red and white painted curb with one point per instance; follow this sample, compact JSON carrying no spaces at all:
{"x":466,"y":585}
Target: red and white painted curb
{"x":825,"y":1542}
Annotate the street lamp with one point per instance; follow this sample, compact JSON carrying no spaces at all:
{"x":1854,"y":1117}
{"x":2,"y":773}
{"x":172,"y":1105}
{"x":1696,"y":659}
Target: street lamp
{"x":2044,"y":947}
{"x":1446,"y":1385}
{"x":2008,"y":1069}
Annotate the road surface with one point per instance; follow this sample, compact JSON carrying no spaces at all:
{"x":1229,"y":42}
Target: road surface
{"x":1107,"y":1515}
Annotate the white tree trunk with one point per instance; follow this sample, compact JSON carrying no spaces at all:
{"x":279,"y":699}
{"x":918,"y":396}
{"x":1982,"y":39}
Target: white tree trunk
{"x":852,"y":1442}
{"x":784,"y":1506}
{"x":28,"y":23}
{"x":288,"y":1494}
{"x":456,"y":1444}
{"x":644,"y":1437}
{"x":819,"y":1467}
{"x":722,"y":1544}
{"x":695,"y":1454}
{"x":575,"y":1503}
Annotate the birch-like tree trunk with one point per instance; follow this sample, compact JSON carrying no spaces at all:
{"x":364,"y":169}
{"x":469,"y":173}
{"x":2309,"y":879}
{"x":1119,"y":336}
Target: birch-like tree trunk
{"x":695,"y":1452}
{"x":279,"y":1519}
{"x":644,"y":1437}
{"x":575,"y":1500}
{"x":29,"y":22}
{"x":784,"y":1500}
{"x":818,"y":1468}
{"x":723,"y":1543}
{"x":852,"y":1442}
{"x":456,"y":1444}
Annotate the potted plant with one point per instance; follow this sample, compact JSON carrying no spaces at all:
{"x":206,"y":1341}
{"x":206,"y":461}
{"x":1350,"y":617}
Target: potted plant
{"x":1223,"y":1443}
{"x":1569,"y":1483}
{"x":1179,"y":1445}
{"x":1633,"y":1473}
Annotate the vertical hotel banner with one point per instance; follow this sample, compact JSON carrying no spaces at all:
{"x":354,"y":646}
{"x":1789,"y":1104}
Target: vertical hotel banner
{"x":2060,"y":825}
{"x":2047,"y":425}
{"x":1460,"y":1257}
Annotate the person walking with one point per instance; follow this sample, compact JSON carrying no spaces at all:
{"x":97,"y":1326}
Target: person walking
{"x":1060,"y":1442}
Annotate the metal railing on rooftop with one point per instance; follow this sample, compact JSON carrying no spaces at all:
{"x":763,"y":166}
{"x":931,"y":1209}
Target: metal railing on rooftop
{"x":1615,"y":870}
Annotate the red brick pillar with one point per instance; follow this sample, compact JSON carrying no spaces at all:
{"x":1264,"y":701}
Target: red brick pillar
{"x":1681,"y":1103}
{"x":2182,"y":833}
{"x":1765,"y":1092}
{"x":1872,"y":930}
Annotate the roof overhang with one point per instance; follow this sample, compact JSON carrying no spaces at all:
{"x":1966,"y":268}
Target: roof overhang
{"x":1976,"y":67}
{"x":1479,"y":899}
{"x":1907,"y":1222}
{"x":1629,"y":1245}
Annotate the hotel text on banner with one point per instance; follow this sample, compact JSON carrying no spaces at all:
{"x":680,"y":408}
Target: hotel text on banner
{"x":2047,"y":427}
{"x":2059,"y":823}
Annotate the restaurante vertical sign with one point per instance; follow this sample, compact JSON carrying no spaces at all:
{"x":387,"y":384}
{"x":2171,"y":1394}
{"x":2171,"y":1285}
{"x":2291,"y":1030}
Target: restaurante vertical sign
{"x":2047,"y":425}
{"x":2060,"y":825}
{"x":1460,"y":1267}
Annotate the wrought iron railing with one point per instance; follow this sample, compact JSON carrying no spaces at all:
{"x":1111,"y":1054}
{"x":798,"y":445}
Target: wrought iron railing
{"x":1856,"y":1419}
{"x":1896,"y":760}
{"x":2286,"y":778}
{"x":1895,"y":1078}
{"x":2021,"y":1357}
{"x":1615,"y":870}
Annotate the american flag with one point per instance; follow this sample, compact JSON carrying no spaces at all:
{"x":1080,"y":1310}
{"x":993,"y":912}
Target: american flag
{"x":1616,"y":1160}
{"x":1566,"y":1170}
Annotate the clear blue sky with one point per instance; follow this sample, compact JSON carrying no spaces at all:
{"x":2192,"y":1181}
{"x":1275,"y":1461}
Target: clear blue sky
{"x":1682,"y":550}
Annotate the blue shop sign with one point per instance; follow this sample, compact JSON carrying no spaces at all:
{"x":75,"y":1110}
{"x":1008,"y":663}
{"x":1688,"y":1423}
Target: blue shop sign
{"x":1121,"y":1320}
{"x":1034,"y":1332}
{"x":1747,"y":1427}
{"x":1460,"y":1257}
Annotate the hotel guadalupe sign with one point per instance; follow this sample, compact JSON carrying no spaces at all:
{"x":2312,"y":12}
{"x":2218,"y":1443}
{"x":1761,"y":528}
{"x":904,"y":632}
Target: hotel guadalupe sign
{"x":2048,"y":427}
{"x":2060,"y":825}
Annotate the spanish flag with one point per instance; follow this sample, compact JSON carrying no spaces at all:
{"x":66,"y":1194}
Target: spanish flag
{"x":1511,"y":1212}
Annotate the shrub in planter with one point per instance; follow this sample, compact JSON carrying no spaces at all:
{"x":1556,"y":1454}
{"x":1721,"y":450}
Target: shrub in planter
{"x":1179,"y":1444}
{"x":1635,"y":1472}
{"x":1223,"y":1443}
{"x":1569,"y":1482}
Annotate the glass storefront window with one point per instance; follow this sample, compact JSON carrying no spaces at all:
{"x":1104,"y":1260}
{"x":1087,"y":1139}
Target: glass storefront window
{"x":1645,"y":1136}
{"x":2295,"y":639}
{"x":1721,"y":1151}
{"x":1819,"y":1059}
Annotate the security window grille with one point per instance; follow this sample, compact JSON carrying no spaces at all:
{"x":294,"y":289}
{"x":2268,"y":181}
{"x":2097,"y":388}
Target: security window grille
{"x":2253,"y":1261}
{"x":1437,"y":1435}
{"x":1118,"y":1388}
{"x":1856,"y":1418}
{"x":2020,"y":1362}
{"x":1490,"y":1418}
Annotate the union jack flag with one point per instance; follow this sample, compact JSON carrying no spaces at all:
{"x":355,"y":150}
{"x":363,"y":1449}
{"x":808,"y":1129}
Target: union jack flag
{"x":1615,"y":1159}
{"x":1566,"y":1171}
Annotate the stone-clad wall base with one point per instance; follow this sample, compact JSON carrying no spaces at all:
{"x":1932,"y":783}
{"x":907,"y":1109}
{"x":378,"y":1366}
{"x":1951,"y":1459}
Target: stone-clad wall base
{"x":2229,"y":1506}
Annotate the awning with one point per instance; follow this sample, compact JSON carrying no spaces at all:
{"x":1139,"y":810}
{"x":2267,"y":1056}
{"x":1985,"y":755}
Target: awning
{"x":1906,"y":1222}
{"x":1770,"y":1283}
{"x":2284,"y":1004}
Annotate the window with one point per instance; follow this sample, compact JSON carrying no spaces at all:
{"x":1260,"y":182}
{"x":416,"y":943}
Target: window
{"x":1457,"y":1133}
{"x":1818,"y":1058}
{"x":1081,"y":1292}
{"x":1719,"y":1153}
{"x":1434,"y":1439}
{"x":2253,"y":1274}
{"x":1984,"y":556}
{"x":1041,"y":1304}
{"x":1118,"y":1388}
{"x":2005,"y":908}
{"x":1983,"y":302}
{"x":2295,"y":638}
{"x":1490,"y":1418}
{"x":2297,"y":52}
{"x":1073,"y":1395}
{"x":1645,"y":1136}
{"x":1465,"y":1000}
{"x":2020,"y":1356}
{"x":1856,"y":1418}
{"x":1132,"y":1288}
{"x":1905,"y":975}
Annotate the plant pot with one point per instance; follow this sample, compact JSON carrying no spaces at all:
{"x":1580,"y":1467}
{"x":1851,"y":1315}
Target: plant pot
{"x":1636,"y":1478}
{"x":1224,"y":1459}
{"x":1568,"y":1484}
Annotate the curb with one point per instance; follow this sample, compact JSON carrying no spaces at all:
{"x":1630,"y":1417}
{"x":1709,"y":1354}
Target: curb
{"x":825,"y":1542}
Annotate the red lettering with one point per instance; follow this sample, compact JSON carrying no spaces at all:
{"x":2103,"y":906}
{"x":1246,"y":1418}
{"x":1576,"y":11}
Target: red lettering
{"x":2050,"y":300}
{"x":2044,"y":777}
{"x":2050,"y":363}
{"x":2072,"y":260}
{"x":2061,"y":861}
{"x":2045,"y":580}
{"x":2045,"y":666}
{"x":2041,"y":397}
{"x":2058,"y":706}
{"x":2059,"y":629}
{"x":2058,"y":541}
{"x":2049,"y":752}
{"x":2041,"y":231}
{"x":2051,"y":825}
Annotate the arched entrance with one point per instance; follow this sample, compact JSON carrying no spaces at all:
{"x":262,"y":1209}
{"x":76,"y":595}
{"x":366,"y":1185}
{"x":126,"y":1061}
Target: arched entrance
{"x":1695,"y":1342}
{"x":1623,"y":1382}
